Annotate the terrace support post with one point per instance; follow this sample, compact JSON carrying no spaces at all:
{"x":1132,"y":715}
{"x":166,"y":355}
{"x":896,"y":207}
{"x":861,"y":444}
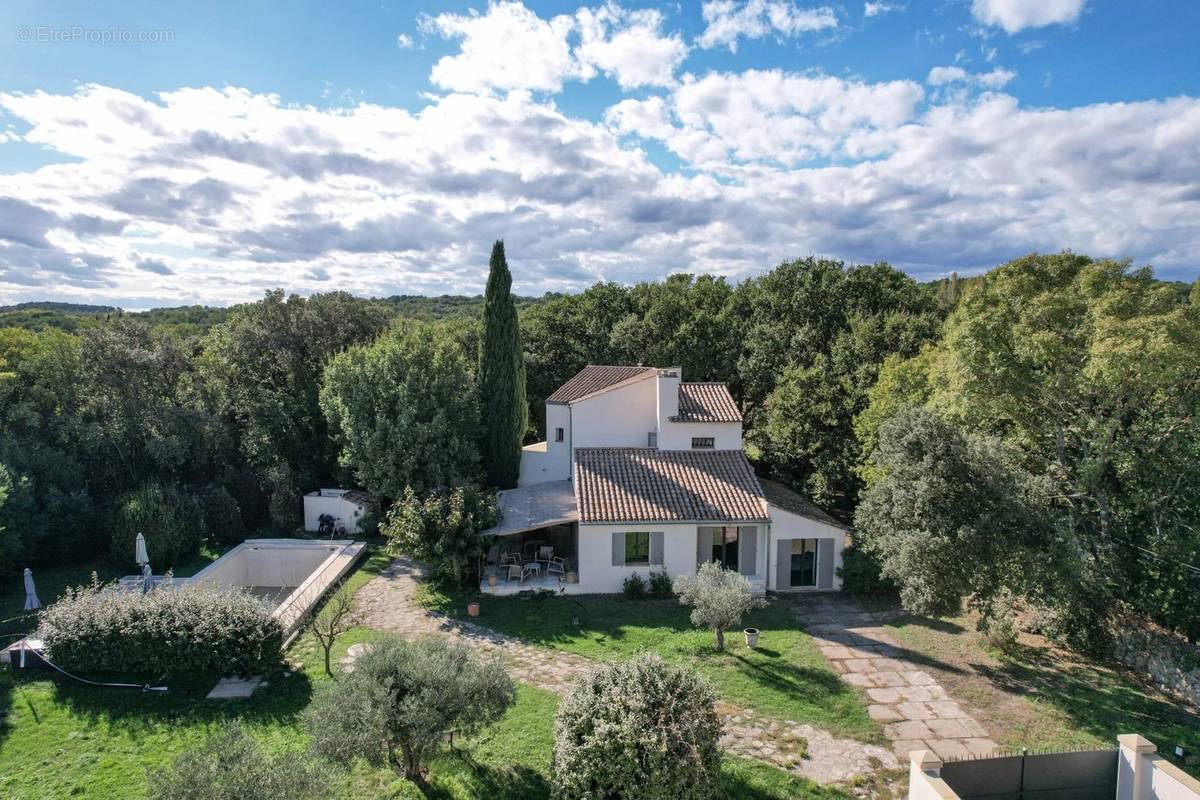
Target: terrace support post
{"x":1131,"y":766}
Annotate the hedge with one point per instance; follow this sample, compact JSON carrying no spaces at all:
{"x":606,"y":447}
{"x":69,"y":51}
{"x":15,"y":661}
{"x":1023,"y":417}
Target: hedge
{"x":193,"y":630}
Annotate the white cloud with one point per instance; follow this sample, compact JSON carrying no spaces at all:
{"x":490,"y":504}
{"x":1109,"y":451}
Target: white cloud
{"x":728,"y":20}
{"x":628,"y":45}
{"x":875,"y":9}
{"x":404,"y":41}
{"x":509,"y":47}
{"x":1016,"y":15}
{"x":998,"y":78}
{"x":207,"y":195}
{"x":768,"y":115}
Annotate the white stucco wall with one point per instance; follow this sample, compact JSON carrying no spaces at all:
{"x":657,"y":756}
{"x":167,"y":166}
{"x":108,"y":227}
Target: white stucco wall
{"x":786,"y":525}
{"x":678,"y":435}
{"x":597,"y":573}
{"x":617,"y":418}
{"x":348,"y":513}
{"x":1142,"y":774}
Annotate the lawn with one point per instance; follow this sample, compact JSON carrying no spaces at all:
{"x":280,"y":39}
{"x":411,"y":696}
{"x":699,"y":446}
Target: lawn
{"x":60,"y":740}
{"x":786,"y":677}
{"x":1044,"y":697}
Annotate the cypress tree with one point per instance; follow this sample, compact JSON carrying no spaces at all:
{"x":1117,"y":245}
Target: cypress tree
{"x":504,"y":410}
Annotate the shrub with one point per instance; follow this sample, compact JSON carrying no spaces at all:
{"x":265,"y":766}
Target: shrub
{"x":860,"y":573}
{"x":230,"y":765}
{"x":195,"y":630}
{"x":634,"y":587}
{"x":222,"y":516}
{"x":719,"y":598}
{"x":443,"y":529}
{"x":660,"y":585}
{"x":170,"y":519}
{"x":638,"y":730}
{"x":402,"y":698}
{"x":285,"y":505}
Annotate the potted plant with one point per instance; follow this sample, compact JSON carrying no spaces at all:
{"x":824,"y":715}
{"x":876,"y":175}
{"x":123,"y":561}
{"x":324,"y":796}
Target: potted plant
{"x":492,"y":580}
{"x":751,"y":637}
{"x":473,"y":609}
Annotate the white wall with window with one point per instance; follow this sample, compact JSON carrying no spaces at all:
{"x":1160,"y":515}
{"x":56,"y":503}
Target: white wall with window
{"x":805,"y":554}
{"x":679,"y":435}
{"x":604,"y":550}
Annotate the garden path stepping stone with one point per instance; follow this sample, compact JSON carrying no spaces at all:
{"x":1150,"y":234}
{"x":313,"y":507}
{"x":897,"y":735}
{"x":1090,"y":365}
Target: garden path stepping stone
{"x":917,"y":712}
{"x":386,"y":603}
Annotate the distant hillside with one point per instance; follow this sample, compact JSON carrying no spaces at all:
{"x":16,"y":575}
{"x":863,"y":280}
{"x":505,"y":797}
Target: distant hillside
{"x":66,"y":308}
{"x":197,"y":320}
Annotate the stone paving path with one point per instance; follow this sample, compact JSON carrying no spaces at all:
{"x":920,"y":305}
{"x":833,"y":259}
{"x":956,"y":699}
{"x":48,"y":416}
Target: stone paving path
{"x":386,"y":603}
{"x":916,"y":711}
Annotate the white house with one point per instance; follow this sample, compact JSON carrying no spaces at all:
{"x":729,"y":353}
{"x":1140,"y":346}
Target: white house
{"x":642,"y":471}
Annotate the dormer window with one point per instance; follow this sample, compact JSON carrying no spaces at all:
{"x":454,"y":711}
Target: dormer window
{"x":703,"y":443}
{"x":558,"y":434}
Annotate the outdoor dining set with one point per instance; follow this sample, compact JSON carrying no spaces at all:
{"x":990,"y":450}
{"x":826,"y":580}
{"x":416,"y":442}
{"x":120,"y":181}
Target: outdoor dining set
{"x":533,"y":559}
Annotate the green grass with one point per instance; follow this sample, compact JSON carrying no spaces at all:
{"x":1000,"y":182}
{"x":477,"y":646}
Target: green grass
{"x":61,"y":740}
{"x":786,"y":677}
{"x":1042,"y":696}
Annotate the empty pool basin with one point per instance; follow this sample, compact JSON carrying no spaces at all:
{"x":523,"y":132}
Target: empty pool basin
{"x":290,"y":575}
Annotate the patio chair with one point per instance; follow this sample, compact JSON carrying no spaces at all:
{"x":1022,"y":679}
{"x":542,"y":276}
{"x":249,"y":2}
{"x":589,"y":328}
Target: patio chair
{"x":517,"y":570}
{"x":545,"y":553}
{"x":510,"y":558}
{"x":555,"y":567}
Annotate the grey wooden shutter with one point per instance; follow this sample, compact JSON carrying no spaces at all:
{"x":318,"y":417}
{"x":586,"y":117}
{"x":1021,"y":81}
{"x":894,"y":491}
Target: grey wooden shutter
{"x":748,"y":549}
{"x":656,"y":547}
{"x":618,"y":545}
{"x":825,"y":564}
{"x":783,"y":564}
{"x":703,"y":546}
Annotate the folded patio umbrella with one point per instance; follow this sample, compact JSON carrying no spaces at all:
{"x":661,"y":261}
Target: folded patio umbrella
{"x":139,"y":550}
{"x":32,"y":603}
{"x":147,"y":578}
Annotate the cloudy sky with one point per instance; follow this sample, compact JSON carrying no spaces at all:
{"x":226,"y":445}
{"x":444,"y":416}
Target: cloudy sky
{"x":157,"y":156}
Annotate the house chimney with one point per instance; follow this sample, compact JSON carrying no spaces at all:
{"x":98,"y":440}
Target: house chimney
{"x":668,"y":394}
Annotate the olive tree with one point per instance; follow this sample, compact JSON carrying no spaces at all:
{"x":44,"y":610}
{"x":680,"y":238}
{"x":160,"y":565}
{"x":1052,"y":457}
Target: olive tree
{"x":718,"y":597}
{"x":638,"y":730}
{"x":402,"y":698}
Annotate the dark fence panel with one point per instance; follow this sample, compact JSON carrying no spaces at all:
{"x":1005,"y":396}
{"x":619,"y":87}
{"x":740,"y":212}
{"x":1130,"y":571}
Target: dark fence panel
{"x":1086,"y":775}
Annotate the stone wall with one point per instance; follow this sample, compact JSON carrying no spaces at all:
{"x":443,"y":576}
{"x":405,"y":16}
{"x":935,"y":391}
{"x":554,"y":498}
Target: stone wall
{"x":1166,"y":659}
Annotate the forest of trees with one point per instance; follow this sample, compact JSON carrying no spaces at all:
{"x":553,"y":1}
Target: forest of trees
{"x":1029,"y":434}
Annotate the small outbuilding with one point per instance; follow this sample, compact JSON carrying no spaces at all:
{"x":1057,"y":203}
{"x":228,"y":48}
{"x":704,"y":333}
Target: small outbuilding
{"x":343,"y":508}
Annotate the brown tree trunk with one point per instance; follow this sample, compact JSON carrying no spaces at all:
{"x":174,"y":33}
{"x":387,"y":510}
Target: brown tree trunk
{"x":720,"y":640}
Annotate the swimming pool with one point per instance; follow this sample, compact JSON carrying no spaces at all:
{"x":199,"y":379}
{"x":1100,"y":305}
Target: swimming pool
{"x":289,"y":575}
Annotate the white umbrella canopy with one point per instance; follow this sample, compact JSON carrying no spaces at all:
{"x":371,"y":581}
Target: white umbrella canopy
{"x":139,"y":550}
{"x":32,"y":603}
{"x":147,"y":578}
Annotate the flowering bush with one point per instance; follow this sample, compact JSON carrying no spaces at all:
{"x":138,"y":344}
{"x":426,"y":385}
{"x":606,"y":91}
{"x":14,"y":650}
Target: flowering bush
{"x":638,"y":730}
{"x":195,"y":630}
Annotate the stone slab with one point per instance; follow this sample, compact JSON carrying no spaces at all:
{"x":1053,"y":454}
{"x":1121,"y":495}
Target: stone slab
{"x":882,"y":713}
{"x":948,"y":729}
{"x":234,"y":688}
{"x":948,"y":748}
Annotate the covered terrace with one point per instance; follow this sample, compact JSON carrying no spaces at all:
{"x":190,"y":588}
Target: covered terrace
{"x":535,"y":544}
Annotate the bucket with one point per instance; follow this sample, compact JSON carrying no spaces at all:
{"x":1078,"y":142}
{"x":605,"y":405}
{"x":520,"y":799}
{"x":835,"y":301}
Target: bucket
{"x":751,"y":637}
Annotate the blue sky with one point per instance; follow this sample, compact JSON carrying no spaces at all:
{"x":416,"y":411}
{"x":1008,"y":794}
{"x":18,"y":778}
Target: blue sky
{"x":380,"y":147}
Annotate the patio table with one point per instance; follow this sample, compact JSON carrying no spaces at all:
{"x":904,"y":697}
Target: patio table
{"x":535,"y":566}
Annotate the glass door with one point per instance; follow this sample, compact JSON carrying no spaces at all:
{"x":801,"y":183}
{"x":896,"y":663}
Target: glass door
{"x":725,"y":547}
{"x":804,"y":562}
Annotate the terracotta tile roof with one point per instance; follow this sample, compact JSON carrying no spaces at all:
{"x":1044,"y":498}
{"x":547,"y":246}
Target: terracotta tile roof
{"x":593,"y":378}
{"x":706,"y":402}
{"x":634,"y":484}
{"x":783,"y":497}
